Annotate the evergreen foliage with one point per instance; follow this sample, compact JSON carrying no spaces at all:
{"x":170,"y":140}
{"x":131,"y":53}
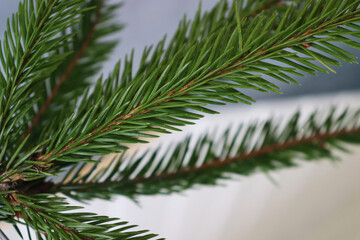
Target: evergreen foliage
{"x":54,"y":119}
{"x":263,"y":146}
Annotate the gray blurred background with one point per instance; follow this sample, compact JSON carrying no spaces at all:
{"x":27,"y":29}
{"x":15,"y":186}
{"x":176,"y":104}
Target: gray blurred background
{"x":312,"y":202}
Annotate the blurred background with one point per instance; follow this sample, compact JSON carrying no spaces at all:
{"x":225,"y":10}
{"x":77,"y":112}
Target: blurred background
{"x":315,"y":201}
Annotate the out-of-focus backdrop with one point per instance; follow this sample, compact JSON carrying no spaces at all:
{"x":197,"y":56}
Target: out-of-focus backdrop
{"x":315,"y":201}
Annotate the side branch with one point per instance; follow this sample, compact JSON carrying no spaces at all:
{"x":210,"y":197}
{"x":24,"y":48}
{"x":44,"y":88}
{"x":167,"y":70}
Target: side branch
{"x":68,"y":71}
{"x":13,"y":199}
{"x":26,"y":56}
{"x":318,"y":138}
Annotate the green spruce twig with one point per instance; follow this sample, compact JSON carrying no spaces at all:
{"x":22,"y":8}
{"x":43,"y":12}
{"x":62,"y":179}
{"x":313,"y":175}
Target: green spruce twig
{"x":53,"y":120}
{"x":266,"y":146}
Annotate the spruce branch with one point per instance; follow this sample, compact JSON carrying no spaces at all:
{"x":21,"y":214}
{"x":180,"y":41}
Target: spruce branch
{"x":89,"y":49}
{"x":69,"y":69}
{"x":266,"y":146}
{"x":144,"y":104}
{"x":50,"y":43}
{"x":209,"y":18}
{"x":24,"y":170}
{"x":114,"y":113}
{"x":28,"y":55}
{"x":84,"y":47}
{"x":248,"y":10}
{"x":52,"y":218}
